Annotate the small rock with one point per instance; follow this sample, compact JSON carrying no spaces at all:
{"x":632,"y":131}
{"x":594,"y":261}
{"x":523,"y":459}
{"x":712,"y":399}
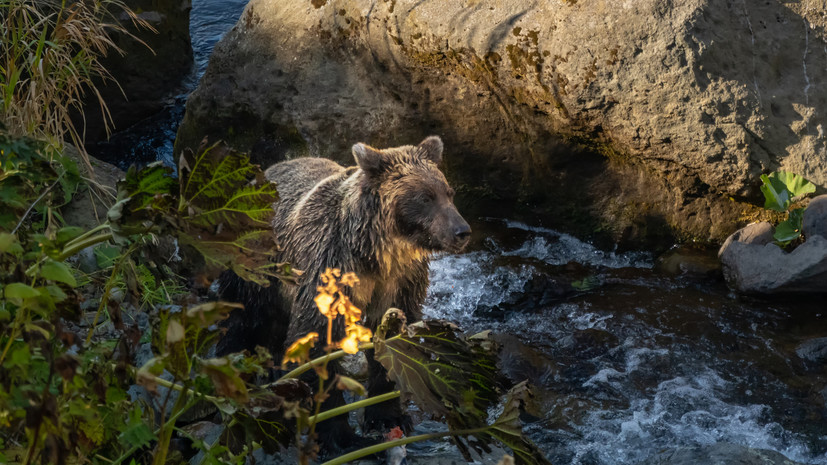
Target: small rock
{"x":355,"y":366}
{"x":764,"y":268}
{"x":815,"y":218}
{"x":687,"y":260}
{"x":813,"y":350}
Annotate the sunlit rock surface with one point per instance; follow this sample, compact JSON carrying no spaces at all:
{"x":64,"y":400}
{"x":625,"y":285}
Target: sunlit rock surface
{"x":686,"y":103}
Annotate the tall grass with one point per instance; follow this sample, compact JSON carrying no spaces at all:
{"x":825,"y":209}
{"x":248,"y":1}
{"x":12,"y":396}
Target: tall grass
{"x":50,"y":60}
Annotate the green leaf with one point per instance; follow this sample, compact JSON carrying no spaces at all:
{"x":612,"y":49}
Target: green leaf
{"x":345,"y":383}
{"x":434,"y":365}
{"x":20,"y":291}
{"x":776,"y":195}
{"x":209,"y":313}
{"x":137,"y":433}
{"x":9,"y":244}
{"x":57,"y":271}
{"x":106,"y":255}
{"x":226,"y":211}
{"x":781,"y":187}
{"x":144,"y":197}
{"x":225,"y":379}
{"x":790,"y":229}
{"x":66,"y":234}
{"x":795,"y":184}
{"x":509,"y":431}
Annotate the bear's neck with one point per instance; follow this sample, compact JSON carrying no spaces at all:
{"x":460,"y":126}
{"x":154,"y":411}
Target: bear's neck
{"x":384,"y":250}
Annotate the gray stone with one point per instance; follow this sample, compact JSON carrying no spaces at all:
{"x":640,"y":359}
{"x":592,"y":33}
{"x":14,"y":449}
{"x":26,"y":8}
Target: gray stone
{"x":767,"y":269}
{"x":815,"y":217}
{"x":688,"y":101}
{"x":813,"y":350}
{"x":89,"y":205}
{"x":721,"y":453}
{"x":753,"y":233}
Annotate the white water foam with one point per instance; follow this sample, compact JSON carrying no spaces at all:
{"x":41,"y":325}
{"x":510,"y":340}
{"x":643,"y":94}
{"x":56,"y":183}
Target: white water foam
{"x":556,"y":248}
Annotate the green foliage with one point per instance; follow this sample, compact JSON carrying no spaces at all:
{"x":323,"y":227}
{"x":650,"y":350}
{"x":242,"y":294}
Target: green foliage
{"x":32,"y":177}
{"x":434,"y":365}
{"x":454,"y":378}
{"x":780,"y":189}
{"x":226,"y":212}
{"x":221,"y":206}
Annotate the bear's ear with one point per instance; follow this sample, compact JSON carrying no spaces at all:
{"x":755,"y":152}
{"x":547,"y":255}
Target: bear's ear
{"x":431,"y":149}
{"x":372,"y":161}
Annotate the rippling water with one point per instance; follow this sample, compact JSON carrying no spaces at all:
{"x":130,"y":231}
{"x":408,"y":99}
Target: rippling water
{"x":637,"y":361}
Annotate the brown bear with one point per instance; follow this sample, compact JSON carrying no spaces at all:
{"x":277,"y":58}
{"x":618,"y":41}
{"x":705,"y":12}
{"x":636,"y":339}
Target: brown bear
{"x":381,"y":219}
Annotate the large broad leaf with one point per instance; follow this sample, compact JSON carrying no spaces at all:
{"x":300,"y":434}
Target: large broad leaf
{"x":226,"y":211}
{"x":509,"y":430}
{"x":453,"y":377}
{"x":433,"y":364}
{"x":781,"y":187}
{"x":144,"y":201}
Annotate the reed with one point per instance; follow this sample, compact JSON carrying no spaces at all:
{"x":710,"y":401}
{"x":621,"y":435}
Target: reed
{"x":51,"y":55}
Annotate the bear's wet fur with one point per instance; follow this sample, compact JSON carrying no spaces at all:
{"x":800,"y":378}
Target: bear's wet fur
{"x":381,"y":219}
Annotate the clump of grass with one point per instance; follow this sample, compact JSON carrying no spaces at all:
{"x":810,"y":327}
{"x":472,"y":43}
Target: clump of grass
{"x":50,"y":59}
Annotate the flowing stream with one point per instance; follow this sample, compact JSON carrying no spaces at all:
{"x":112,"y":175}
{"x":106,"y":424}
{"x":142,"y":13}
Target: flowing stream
{"x":629,"y":355}
{"x":629,"y":359}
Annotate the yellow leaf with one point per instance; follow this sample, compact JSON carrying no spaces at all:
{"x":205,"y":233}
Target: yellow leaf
{"x":299,"y":351}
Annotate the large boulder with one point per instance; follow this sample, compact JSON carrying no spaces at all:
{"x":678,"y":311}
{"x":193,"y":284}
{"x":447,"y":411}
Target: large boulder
{"x":148,"y":74}
{"x":645,"y":118}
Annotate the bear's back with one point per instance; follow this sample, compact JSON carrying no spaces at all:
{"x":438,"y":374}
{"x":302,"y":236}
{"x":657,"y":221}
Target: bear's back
{"x":294,"y":178}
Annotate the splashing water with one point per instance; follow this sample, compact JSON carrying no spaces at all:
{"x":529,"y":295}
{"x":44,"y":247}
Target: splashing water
{"x":644,"y":362}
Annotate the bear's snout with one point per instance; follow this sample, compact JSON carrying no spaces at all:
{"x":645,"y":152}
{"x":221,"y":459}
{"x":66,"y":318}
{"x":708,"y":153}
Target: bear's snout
{"x":459,"y":232}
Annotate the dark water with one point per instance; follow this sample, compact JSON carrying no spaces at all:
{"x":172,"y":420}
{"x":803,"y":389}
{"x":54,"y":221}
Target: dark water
{"x":632,"y":360}
{"x":627,"y":360}
{"x":152,"y":139}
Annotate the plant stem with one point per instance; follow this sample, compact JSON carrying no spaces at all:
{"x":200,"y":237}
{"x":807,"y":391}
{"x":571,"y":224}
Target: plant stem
{"x":178,"y":387}
{"x":328,"y":414}
{"x":169,"y":423}
{"x":23,"y":218}
{"x":77,"y":246}
{"x":87,"y":234}
{"x":398,"y":442}
{"x":108,"y":288}
{"x":318,"y":361}
{"x":162,"y":448}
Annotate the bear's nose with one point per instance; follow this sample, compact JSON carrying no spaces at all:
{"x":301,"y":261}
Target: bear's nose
{"x":462,"y":231}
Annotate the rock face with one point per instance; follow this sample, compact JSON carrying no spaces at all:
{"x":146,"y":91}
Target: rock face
{"x":148,"y":76}
{"x":648,"y":118}
{"x":753,"y":264}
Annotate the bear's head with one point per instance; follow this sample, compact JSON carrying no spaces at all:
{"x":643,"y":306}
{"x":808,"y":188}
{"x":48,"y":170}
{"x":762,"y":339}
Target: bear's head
{"x":414,"y":194}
